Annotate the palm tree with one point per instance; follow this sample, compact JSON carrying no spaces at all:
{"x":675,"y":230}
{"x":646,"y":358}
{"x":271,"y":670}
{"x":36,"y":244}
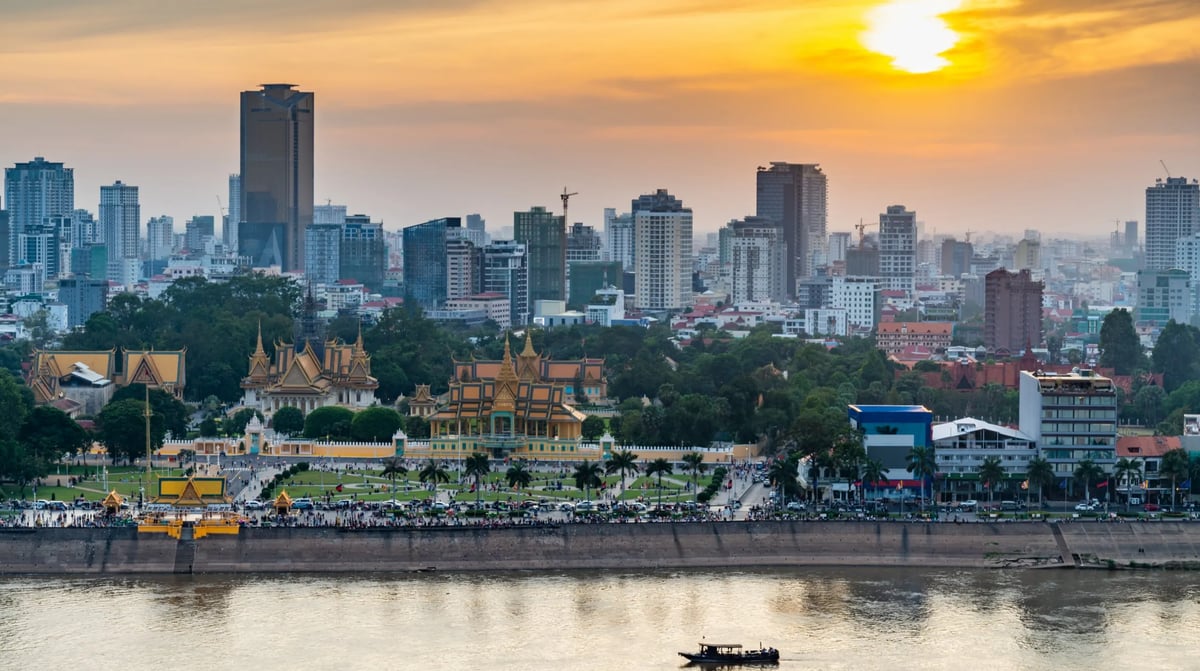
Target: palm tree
{"x":518,"y":476}
{"x":1129,"y":470}
{"x":1175,"y":466}
{"x":922,"y":462}
{"x":873,"y":472}
{"x":392,"y":467}
{"x":587,"y":475}
{"x":433,"y":472}
{"x":822,"y":462}
{"x":991,"y":473}
{"x":1040,"y":474}
{"x":476,"y":466}
{"x":782,"y":474}
{"x":659,"y":467}
{"x":623,"y":462}
{"x":1087,"y":472}
{"x":693,"y":462}
{"x":848,"y":455}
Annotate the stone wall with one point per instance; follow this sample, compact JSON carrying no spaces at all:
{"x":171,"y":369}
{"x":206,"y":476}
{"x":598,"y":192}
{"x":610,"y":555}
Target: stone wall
{"x":627,"y":546}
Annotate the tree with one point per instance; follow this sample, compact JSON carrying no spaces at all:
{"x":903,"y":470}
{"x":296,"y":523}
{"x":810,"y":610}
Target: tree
{"x":175,"y":415}
{"x":1120,"y":348}
{"x":477,"y":466}
{"x":922,"y":462}
{"x":236,"y":425}
{"x":288,"y":421}
{"x":1040,"y":474}
{"x":848,"y":456}
{"x":122,"y":429}
{"x":48,"y":433}
{"x":693,"y":462}
{"x":991,"y":473}
{"x":1174,"y":465}
{"x":623,"y":462}
{"x":587,"y":475}
{"x":433,"y":472}
{"x":375,"y":424}
{"x":392,"y":467}
{"x":416,"y":426}
{"x":873,"y":472}
{"x":18,"y":464}
{"x":1128,"y":471}
{"x":592,"y":428}
{"x":1176,"y":355}
{"x":332,"y":422}
{"x":518,"y":476}
{"x":782,"y":474}
{"x":208,"y":428}
{"x":659,"y":467}
{"x":15,"y":406}
{"x":1087,"y":472}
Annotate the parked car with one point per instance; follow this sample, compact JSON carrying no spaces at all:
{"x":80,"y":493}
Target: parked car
{"x":1151,"y":507}
{"x":795,"y":506}
{"x":303,"y":504}
{"x":969,"y":505}
{"x":585,"y":507}
{"x":1084,"y":506}
{"x":255,"y":504}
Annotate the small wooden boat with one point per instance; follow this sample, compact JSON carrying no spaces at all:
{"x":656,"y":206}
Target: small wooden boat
{"x":731,"y":654}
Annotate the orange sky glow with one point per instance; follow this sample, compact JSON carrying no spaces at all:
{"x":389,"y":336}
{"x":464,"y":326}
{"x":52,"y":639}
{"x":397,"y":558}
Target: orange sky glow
{"x":1047,"y":114}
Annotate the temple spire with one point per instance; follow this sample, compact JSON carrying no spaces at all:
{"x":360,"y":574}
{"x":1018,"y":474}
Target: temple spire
{"x":258,"y":348}
{"x":528,"y":351}
{"x":358,"y":344}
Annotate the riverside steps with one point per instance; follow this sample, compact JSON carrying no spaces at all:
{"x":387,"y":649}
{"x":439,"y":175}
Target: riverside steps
{"x":598,"y":546}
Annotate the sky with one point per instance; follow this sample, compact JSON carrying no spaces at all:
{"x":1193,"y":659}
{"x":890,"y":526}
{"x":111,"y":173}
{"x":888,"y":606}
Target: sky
{"x":999,"y":115}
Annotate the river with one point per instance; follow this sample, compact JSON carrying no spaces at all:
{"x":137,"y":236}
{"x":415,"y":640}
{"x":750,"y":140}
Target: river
{"x":817,"y":618}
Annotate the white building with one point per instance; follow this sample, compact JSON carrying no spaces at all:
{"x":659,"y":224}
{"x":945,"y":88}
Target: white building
{"x":495,"y":305}
{"x":663,"y":250}
{"x":962,"y":446}
{"x":859,"y":297}
{"x":1163,"y":295}
{"x":826,"y":322}
{"x":759,"y":260}
{"x":160,"y":233}
{"x":606,"y":307}
{"x":1187,"y":259}
{"x":1172,"y":212}
{"x":120,"y":216}
{"x":1071,"y":417}
{"x":618,"y":238}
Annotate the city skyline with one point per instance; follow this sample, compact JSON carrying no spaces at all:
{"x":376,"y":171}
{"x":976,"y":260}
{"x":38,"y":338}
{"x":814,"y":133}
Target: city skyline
{"x":1054,"y":112}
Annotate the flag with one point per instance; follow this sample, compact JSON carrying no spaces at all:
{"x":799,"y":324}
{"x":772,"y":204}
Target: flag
{"x":899,"y":485}
{"x":1063,"y":484}
{"x":1102,"y":485}
{"x":1024,"y":484}
{"x":1145,"y":484}
{"x":1186,"y":484}
{"x":338,"y":488}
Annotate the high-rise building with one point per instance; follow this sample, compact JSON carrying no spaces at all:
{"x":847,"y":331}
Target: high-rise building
{"x":120,"y":217}
{"x":33,"y":192}
{"x":956,"y":258}
{"x":1012,"y":317}
{"x":759,"y":260}
{"x":322,"y":252}
{"x":83,"y":297}
{"x":198,"y":231}
{"x":589,"y":277}
{"x":475,"y":230}
{"x":85,"y":230}
{"x":38,"y":247}
{"x":545,"y":238}
{"x":898,"y":248}
{"x":795,"y":195}
{"x":5,"y":236}
{"x":1071,"y":418}
{"x":1187,"y":259}
{"x":839,"y":242}
{"x":583,"y":243}
{"x":1131,"y":236}
{"x":425,"y":260}
{"x":1172,"y":212}
{"x":229,"y":230}
{"x":663,"y":265}
{"x":618,"y":235}
{"x":506,"y":271}
{"x":859,"y":297}
{"x":1028,"y":255}
{"x":1163,"y":295}
{"x":463,"y":266}
{"x":160,"y":234}
{"x":363,"y":254}
{"x":276,"y":175}
{"x":329,"y":214}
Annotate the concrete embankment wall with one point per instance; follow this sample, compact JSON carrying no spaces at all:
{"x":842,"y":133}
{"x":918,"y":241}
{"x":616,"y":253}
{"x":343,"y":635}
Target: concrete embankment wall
{"x":601,"y":546}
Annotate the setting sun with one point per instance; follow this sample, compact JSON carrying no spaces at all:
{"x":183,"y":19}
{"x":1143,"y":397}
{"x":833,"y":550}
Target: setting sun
{"x":912,"y":33}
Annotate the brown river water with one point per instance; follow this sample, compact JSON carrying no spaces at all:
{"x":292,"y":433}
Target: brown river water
{"x":818,"y":619}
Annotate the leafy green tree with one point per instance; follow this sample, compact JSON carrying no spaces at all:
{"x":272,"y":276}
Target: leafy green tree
{"x":332,"y":422}
{"x":693,"y":462}
{"x":1149,"y":402}
{"x":873,"y":473}
{"x":623,"y":462}
{"x":783,"y":474}
{"x":587,"y":476}
{"x":15,"y":404}
{"x":922,"y":463}
{"x":1128,"y":471}
{"x":393,"y":467}
{"x":416,"y":427}
{"x":122,"y":429}
{"x":236,"y":426}
{"x":209,"y":428}
{"x":476,"y":467}
{"x":18,"y":464}
{"x":1087,"y":472}
{"x":375,"y":424}
{"x":1176,"y":355}
{"x":991,"y":474}
{"x":659,"y":467}
{"x":1174,"y":465}
{"x":174,"y":414}
{"x":1040,"y":474}
{"x":432,"y":472}
{"x":49,"y":433}
{"x":288,"y":421}
{"x":1120,"y":348}
{"x":592,"y":428}
{"x":848,"y":456}
{"x":518,"y":476}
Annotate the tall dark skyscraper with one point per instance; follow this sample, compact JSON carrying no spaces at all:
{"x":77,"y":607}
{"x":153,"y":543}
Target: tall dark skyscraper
{"x":425,"y":266}
{"x":276,"y":175}
{"x":545,"y":238}
{"x":795,"y":196}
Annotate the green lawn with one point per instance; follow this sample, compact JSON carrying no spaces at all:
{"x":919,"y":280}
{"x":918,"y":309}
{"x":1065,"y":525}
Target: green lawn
{"x":125,"y":481}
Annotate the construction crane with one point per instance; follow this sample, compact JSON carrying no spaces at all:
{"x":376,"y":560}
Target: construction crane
{"x":565,"y":197}
{"x":861,"y":228}
{"x":1165,"y":168}
{"x":220,"y":208}
{"x":967,"y":235}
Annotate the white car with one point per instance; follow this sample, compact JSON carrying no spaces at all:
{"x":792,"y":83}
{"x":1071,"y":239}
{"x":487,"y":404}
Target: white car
{"x":1084,"y":507}
{"x":585,"y":507}
{"x":969,"y":504}
{"x":255,"y":504}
